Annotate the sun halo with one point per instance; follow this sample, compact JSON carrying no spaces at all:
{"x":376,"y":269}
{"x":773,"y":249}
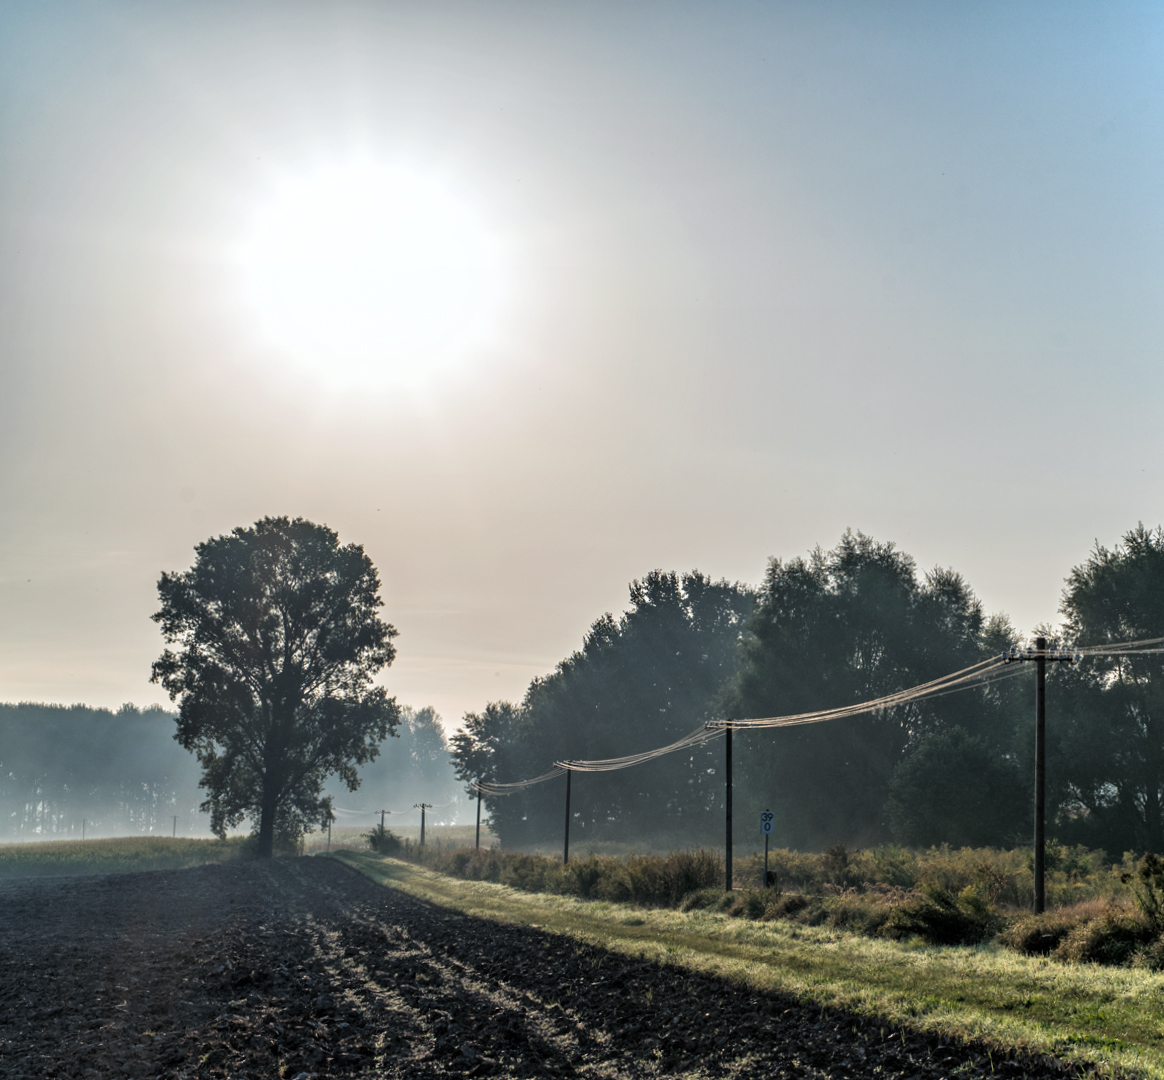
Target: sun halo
{"x":373,"y":272}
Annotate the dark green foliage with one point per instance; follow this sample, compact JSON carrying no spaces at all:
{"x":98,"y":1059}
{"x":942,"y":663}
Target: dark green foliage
{"x":384,"y":841}
{"x":1147,"y":884}
{"x":278,"y":638}
{"x":638,"y":682}
{"x":839,"y":628}
{"x":1109,"y":712}
{"x":957,"y":788}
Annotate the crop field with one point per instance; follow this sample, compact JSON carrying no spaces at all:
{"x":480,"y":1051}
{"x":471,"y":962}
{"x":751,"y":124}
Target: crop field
{"x":124,"y":855}
{"x":985,"y":995}
{"x":303,"y":968}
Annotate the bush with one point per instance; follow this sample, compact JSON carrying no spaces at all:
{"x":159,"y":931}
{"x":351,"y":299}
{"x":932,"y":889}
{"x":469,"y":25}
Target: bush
{"x":702,"y":899}
{"x":938,"y":919}
{"x":1038,"y":935}
{"x":1113,"y":938}
{"x":384,"y":841}
{"x":1147,"y":883}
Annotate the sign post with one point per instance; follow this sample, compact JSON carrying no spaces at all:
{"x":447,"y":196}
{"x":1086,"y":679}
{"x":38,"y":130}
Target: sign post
{"x":766,"y":819}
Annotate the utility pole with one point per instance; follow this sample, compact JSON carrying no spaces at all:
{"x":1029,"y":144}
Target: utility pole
{"x":1040,"y":656}
{"x":421,"y":807}
{"x":478,"y":818}
{"x":175,"y":826}
{"x":382,"y":813}
{"x":329,"y":837}
{"x":566,"y":849}
{"x":727,"y":857}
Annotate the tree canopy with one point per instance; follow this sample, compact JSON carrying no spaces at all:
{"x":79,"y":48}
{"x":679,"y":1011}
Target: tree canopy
{"x":277,"y":637}
{"x":1109,"y":751}
{"x":838,"y":628}
{"x":639,"y":681}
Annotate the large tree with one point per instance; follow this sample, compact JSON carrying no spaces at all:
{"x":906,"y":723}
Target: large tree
{"x":838,"y":628}
{"x":639,"y":681}
{"x":1110,"y":710}
{"x":278,"y":637}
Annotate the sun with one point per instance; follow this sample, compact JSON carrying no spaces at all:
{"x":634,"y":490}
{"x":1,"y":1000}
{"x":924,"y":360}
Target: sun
{"x":372,"y":271}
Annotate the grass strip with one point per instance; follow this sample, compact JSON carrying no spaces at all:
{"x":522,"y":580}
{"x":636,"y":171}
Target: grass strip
{"x":113,"y":856}
{"x":1109,"y":1018}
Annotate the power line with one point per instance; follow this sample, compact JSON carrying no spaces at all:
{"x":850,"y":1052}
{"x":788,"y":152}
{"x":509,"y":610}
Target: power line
{"x":982,"y":674}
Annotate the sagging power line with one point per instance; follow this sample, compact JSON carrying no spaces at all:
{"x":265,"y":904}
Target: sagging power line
{"x":984,"y":673}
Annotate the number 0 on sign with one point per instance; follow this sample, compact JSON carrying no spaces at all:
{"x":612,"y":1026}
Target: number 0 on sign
{"x":766,"y":819}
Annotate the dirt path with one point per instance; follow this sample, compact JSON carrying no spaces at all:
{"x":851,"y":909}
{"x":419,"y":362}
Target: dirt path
{"x":301,"y":968}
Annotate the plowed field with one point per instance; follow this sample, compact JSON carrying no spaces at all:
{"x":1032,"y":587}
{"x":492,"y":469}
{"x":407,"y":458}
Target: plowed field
{"x":301,"y":968}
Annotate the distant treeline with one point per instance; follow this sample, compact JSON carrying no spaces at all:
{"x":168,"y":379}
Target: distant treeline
{"x":835,"y":628}
{"x":122,"y":773}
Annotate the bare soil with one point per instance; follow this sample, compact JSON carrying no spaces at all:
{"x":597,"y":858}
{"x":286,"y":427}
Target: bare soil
{"x":300,"y":968}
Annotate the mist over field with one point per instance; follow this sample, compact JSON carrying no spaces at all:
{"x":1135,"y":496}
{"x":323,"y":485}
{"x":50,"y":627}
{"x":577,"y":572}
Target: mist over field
{"x":68,"y":771}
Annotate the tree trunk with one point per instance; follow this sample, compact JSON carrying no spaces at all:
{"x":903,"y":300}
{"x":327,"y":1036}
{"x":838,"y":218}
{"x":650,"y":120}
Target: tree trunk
{"x":267,"y":829}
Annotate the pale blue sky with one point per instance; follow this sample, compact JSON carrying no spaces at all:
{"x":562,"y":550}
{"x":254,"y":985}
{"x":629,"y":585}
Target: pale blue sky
{"x":770,"y":270}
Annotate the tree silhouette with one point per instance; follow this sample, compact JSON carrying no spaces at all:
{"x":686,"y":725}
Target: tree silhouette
{"x":278,"y":639}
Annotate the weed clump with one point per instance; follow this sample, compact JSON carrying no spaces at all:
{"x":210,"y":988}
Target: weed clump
{"x":1038,"y":935}
{"x":939,"y":896}
{"x":648,"y":880}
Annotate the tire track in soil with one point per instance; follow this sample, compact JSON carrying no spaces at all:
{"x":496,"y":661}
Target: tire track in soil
{"x":301,"y":968}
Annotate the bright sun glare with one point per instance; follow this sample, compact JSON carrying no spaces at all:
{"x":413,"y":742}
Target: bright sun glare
{"x":367,"y":271}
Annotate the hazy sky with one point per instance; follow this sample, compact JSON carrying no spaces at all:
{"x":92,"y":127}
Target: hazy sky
{"x":531,"y":298}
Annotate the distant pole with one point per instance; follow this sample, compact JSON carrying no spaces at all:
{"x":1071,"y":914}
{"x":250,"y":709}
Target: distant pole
{"x":421,"y":806}
{"x":175,"y":826}
{"x":727,"y":859}
{"x":566,"y":849}
{"x":82,"y":828}
{"x":329,"y":837}
{"x":1040,"y":773}
{"x":478,"y":818}
{"x":383,"y":812}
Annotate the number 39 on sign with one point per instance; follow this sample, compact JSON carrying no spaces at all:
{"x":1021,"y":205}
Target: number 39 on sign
{"x":766,"y":819}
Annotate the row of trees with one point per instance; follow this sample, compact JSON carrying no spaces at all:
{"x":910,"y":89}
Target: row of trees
{"x":118,"y":772}
{"x":121,"y":773}
{"x":276,"y":637}
{"x":842,"y":626}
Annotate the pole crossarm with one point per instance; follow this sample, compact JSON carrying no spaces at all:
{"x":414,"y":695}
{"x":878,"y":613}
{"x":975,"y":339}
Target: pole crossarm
{"x":1051,"y":656}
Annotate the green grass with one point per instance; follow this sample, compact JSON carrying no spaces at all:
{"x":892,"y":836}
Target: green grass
{"x":124,"y":855}
{"x":1103,"y":1016}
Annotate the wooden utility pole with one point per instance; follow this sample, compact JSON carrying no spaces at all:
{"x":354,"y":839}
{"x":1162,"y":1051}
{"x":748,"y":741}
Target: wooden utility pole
{"x":1040,"y":656}
{"x":421,"y":806}
{"x":1040,"y":774}
{"x":478,"y":818}
{"x":175,"y":826}
{"x":727,"y":855}
{"x":566,"y":848}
